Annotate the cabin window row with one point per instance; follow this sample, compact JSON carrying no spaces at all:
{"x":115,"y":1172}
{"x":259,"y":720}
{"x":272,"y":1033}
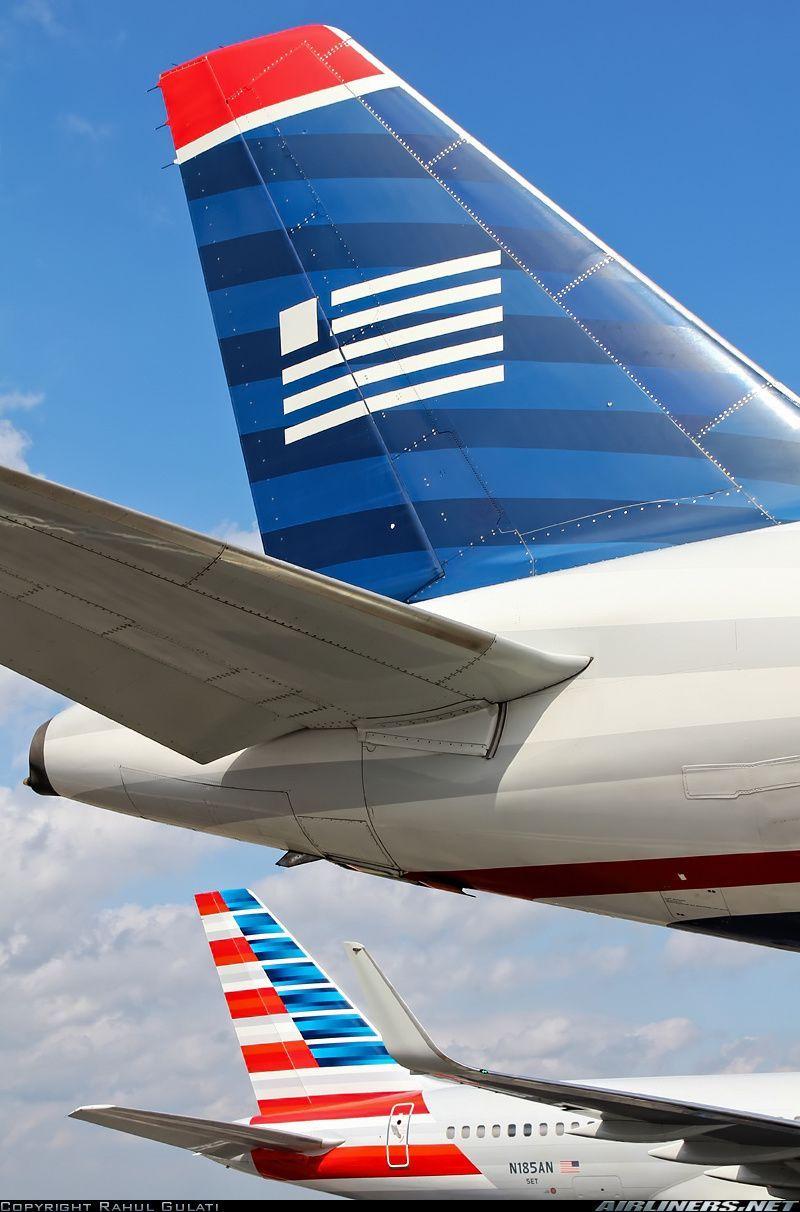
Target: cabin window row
{"x":465,"y":1131}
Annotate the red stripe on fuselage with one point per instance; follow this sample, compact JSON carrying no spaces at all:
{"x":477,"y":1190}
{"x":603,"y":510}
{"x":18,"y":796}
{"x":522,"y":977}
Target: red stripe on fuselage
{"x":334,"y":1106}
{"x":363,"y":1161}
{"x":206,"y":93}
{"x":556,"y":880}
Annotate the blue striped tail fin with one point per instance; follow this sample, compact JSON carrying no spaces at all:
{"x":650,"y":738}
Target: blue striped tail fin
{"x":302,"y":1040}
{"x":440,"y":380}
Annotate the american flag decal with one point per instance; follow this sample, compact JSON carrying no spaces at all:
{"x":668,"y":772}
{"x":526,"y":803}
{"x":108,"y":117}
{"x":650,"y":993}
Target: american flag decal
{"x":569,"y":1167}
{"x":341,"y":377}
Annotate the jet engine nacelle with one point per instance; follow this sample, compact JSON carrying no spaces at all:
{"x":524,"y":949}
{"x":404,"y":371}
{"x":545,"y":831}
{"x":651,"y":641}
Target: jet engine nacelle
{"x":667,"y":798}
{"x":260,"y":794}
{"x":304,"y":792}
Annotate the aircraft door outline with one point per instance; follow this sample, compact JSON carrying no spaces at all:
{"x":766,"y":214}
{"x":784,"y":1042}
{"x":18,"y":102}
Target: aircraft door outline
{"x":397,"y":1130}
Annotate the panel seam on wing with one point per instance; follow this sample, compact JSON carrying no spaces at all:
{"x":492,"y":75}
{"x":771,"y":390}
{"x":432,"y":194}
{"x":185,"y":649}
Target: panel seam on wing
{"x":193,"y":586}
{"x":202,"y":571}
{"x":127,"y":624}
{"x":468,"y":664}
{"x":343,"y":647}
{"x":40,"y":586}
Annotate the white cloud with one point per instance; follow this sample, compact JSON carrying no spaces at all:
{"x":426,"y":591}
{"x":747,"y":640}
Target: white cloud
{"x":86,"y":128}
{"x":610,"y":960}
{"x":19,"y":399}
{"x":23,"y":706}
{"x":18,"y":694}
{"x":21,"y":700}
{"x":248,"y":537}
{"x":102,"y":1001}
{"x":664,"y":1036}
{"x":62,"y":854}
{"x":41,"y":13}
{"x":14,"y":445}
{"x":107,"y":992}
{"x":685,"y":950}
{"x":14,"y":442}
{"x":744,"y":1055}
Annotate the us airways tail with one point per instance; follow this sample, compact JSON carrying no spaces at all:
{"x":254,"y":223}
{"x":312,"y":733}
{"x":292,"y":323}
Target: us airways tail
{"x":440,"y":379}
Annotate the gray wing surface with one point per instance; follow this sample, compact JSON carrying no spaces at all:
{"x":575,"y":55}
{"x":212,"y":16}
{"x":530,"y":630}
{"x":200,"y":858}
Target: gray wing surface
{"x":207,"y":648}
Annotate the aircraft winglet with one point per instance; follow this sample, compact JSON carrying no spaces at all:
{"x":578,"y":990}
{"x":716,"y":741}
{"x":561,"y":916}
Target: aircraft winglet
{"x":411,"y":1046}
{"x":405,"y":1039}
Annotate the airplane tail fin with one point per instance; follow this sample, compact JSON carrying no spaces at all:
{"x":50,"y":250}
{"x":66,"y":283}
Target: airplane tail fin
{"x":306,"y":1047}
{"x":441,"y":380}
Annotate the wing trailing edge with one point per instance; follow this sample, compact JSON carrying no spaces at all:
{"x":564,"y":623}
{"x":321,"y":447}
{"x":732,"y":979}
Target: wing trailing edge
{"x":212,"y":1138}
{"x":207,"y":649}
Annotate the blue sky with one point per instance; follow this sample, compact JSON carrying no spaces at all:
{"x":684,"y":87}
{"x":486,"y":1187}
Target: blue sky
{"x":671,"y":132}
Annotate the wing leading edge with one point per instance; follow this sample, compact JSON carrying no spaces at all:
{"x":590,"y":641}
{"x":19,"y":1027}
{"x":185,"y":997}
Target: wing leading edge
{"x":206,"y":648}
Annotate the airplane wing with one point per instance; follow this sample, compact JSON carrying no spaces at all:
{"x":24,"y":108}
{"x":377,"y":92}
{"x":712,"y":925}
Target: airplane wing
{"x":743,"y":1143}
{"x":210,"y":1137}
{"x":206,"y":648}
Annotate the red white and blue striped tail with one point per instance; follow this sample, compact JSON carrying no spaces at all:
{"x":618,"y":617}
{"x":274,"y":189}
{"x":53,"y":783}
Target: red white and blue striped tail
{"x":304,"y":1043}
{"x":441,"y":380}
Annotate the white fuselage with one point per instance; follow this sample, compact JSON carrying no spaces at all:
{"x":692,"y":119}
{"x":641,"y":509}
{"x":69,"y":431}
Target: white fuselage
{"x":662,"y":783}
{"x":477,"y":1145}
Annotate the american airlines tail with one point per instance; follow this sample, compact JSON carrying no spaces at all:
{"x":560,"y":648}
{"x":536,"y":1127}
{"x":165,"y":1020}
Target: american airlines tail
{"x":308,"y":1051}
{"x":338,"y":1114}
{"x":441,"y":380}
{"x":334,"y":1108}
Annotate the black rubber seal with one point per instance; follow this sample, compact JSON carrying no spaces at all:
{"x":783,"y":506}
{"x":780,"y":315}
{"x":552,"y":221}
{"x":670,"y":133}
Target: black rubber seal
{"x":37,"y":778}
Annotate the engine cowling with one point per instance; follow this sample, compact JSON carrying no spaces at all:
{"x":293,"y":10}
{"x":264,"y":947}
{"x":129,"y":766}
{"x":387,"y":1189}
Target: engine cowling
{"x":260,"y":794}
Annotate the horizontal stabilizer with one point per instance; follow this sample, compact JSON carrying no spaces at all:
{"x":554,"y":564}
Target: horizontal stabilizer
{"x":410,"y":1045}
{"x":211,"y":1137}
{"x":208,"y":649}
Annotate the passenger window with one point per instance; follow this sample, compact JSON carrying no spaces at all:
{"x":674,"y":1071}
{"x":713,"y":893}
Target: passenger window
{"x":575,"y":1124}
{"x":495,"y":1129}
{"x":465,"y":1131}
{"x":543,"y":1129}
{"x":451,"y":1133}
{"x":512,"y":1129}
{"x":559,"y":1129}
{"x":480,"y":1131}
{"x":526,"y":1129}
